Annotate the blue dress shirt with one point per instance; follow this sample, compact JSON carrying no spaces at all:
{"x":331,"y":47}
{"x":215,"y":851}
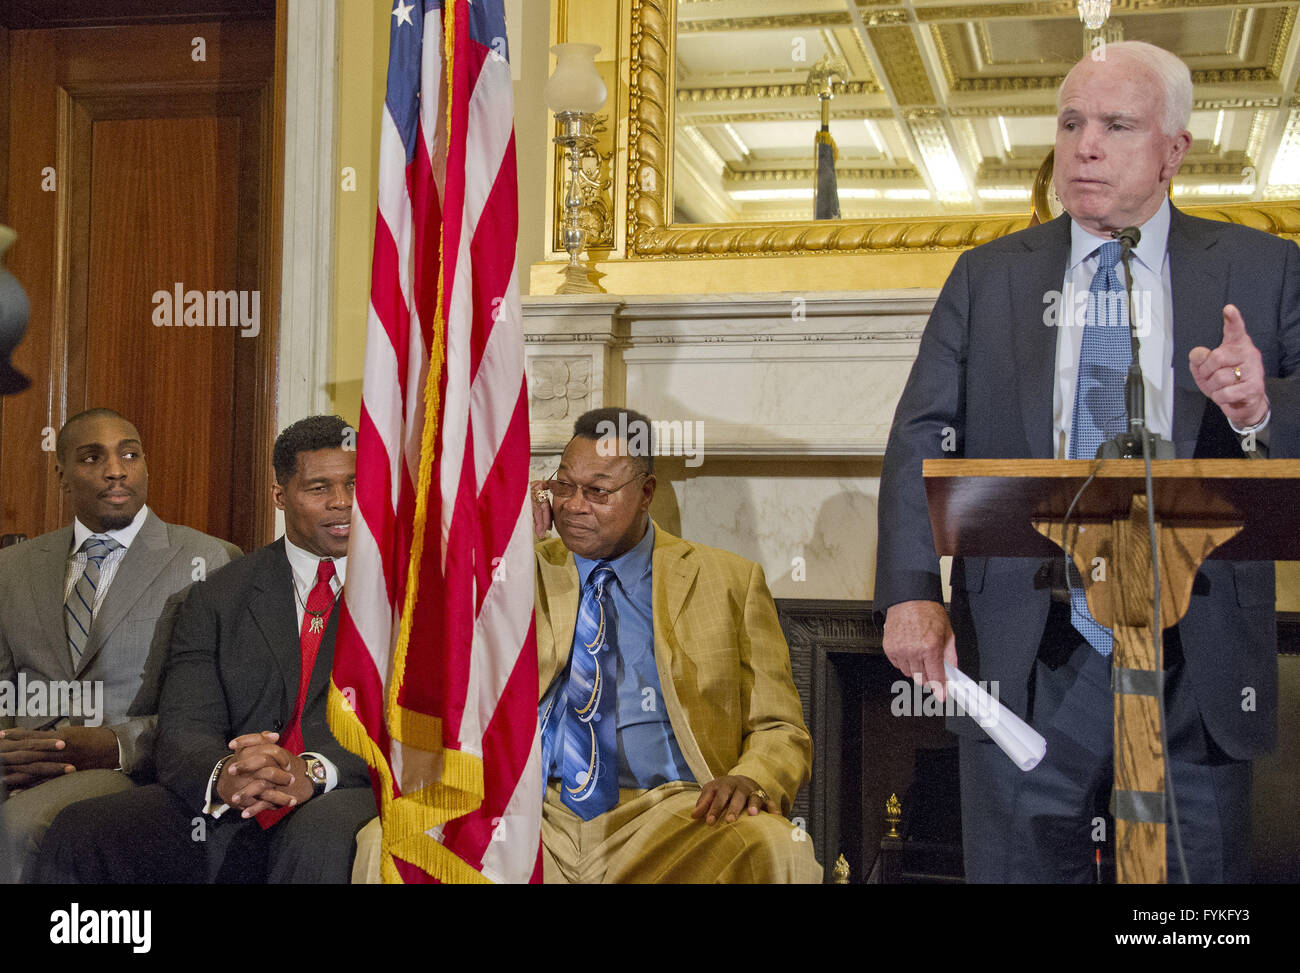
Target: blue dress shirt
{"x":648,"y":754}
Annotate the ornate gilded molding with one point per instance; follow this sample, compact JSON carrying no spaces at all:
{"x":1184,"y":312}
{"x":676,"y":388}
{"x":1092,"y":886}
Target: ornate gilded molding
{"x":884,"y":18}
{"x":596,"y":184}
{"x":750,"y":92}
{"x":1280,"y":219}
{"x":843,"y":174}
{"x":901,"y":61}
{"x":830,"y":19}
{"x":1057,"y":8}
{"x":865,"y":236}
{"x":797,"y":115}
{"x":650,"y":233}
{"x":1282,"y":40}
{"x":648,"y":100}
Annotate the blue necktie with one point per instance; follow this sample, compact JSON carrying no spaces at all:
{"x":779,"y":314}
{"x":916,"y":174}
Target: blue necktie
{"x":589,"y":767}
{"x":1099,"y":408}
{"x":79,"y":609}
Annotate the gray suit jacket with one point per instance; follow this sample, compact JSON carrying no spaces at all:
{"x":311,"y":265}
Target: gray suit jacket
{"x":986,"y":369}
{"x":128,"y":640}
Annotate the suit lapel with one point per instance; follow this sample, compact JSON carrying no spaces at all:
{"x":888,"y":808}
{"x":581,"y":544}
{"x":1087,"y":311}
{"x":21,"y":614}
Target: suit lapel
{"x":49,"y":565}
{"x":1198,"y":285}
{"x":274,"y":613}
{"x":557,"y":594}
{"x":679,"y":573}
{"x":145,"y":559}
{"x":675,"y":568}
{"x":1041,"y":271}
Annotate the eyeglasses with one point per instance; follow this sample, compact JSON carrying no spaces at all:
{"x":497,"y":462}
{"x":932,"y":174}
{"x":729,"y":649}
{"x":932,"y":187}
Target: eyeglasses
{"x":563,"y":490}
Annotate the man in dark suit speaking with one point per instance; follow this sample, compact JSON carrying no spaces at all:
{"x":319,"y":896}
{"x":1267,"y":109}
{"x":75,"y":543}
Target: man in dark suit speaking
{"x":1025,"y":356}
{"x":253,"y":785}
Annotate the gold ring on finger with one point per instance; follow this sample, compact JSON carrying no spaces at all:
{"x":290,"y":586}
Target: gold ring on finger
{"x":1237,"y":372}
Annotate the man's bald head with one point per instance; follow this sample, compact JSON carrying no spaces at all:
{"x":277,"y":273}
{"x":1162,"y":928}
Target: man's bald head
{"x":66,"y":433}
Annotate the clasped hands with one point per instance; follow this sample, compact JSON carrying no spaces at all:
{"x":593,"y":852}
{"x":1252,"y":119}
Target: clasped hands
{"x":262,"y":775}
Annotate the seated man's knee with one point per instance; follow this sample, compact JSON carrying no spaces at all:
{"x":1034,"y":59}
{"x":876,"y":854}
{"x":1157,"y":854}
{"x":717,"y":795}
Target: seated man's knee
{"x":319,"y":839}
{"x":776,"y":850}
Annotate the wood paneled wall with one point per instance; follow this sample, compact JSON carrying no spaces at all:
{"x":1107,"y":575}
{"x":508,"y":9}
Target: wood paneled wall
{"x":164,"y":174}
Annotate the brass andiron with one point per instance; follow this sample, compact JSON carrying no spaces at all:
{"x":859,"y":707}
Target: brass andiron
{"x":893,"y":814}
{"x":841,"y":871}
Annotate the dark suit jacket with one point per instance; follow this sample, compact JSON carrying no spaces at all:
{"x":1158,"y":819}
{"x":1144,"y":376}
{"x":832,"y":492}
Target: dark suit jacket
{"x":129,"y":636}
{"x":233,"y":668}
{"x":986,"y":368}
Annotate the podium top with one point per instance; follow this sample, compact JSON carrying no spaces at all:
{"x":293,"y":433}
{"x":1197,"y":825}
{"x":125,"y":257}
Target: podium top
{"x":986,"y":507}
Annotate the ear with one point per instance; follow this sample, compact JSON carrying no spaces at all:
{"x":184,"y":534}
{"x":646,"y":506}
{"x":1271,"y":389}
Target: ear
{"x":1174,"y":153}
{"x":277,"y":495}
{"x":647,"y":491}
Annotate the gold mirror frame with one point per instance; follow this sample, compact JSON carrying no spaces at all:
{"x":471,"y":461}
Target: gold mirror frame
{"x":651,"y":234}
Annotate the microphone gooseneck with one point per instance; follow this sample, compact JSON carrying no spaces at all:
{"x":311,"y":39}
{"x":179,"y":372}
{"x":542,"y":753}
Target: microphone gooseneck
{"x":1128,"y":445}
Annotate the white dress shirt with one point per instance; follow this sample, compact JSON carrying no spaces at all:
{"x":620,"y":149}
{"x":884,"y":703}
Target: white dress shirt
{"x":108,"y":567}
{"x":1152,"y":307}
{"x":1153,"y":311}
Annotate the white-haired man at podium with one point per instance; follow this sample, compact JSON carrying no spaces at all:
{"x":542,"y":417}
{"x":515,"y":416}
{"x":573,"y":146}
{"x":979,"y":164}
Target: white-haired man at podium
{"x":1219,"y":348}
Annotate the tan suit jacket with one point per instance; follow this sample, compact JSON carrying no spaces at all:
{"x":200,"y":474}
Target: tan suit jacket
{"x":723,"y":662}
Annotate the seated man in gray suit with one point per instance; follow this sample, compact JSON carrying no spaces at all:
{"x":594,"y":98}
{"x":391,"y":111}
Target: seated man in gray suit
{"x":80,"y":608}
{"x":252,"y":784}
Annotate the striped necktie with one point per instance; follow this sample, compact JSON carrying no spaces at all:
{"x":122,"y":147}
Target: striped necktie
{"x":79,"y":609}
{"x":1099,"y":408}
{"x":589,"y":769}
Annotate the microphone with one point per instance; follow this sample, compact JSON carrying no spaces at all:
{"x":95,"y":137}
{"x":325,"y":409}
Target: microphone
{"x":1128,"y":237}
{"x":1128,"y":445}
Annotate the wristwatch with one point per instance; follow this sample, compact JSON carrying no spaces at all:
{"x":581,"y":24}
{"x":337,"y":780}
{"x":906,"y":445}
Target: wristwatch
{"x":315,"y":774}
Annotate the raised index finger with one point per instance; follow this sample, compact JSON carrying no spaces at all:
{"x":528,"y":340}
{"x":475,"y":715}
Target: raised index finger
{"x":1234,"y":326}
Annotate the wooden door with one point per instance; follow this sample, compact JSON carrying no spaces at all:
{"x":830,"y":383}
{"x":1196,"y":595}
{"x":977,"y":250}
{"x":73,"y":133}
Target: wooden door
{"x":142,"y":180}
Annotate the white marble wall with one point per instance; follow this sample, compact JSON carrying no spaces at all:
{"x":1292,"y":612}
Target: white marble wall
{"x":794,"y":397}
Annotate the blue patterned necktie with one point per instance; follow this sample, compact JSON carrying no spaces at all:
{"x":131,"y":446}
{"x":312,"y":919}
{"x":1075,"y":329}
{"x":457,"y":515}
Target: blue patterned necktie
{"x":589,"y":768}
{"x":1099,"y":408}
{"x":79,"y":609}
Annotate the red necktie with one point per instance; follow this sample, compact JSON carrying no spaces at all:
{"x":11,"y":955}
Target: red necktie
{"x":317,"y":615}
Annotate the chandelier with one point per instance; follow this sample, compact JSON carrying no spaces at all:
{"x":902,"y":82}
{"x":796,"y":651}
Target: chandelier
{"x":1094,"y":12}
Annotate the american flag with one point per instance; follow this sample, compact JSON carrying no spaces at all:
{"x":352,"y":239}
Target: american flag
{"x":435,"y":664}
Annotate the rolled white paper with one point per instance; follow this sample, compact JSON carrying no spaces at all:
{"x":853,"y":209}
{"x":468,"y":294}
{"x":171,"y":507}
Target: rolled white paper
{"x":1018,"y":740}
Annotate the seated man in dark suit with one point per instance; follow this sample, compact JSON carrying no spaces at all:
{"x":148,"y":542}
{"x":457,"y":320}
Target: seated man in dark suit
{"x":248,"y":671}
{"x":85,"y":614}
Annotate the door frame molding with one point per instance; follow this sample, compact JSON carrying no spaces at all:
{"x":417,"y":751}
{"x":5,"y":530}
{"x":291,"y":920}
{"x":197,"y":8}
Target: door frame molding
{"x":310,"y":166}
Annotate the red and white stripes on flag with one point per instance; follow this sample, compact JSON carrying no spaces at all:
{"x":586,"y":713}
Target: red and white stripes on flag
{"x":435,"y":664}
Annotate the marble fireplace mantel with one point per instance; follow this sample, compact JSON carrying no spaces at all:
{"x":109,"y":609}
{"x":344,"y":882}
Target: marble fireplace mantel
{"x":769,"y":376}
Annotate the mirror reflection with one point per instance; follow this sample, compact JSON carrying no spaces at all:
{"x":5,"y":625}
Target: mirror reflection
{"x":936,"y":114}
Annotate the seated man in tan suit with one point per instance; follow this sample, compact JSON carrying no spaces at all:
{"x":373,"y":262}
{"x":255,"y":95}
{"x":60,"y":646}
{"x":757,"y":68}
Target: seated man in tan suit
{"x":673,"y":740}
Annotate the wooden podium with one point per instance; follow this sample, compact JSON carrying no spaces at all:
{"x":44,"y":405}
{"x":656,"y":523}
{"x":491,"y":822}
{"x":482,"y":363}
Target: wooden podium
{"x":1229,"y":509}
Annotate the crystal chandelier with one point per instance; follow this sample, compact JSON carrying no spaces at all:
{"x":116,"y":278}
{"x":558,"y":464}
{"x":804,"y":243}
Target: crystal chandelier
{"x":1094,"y":12}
